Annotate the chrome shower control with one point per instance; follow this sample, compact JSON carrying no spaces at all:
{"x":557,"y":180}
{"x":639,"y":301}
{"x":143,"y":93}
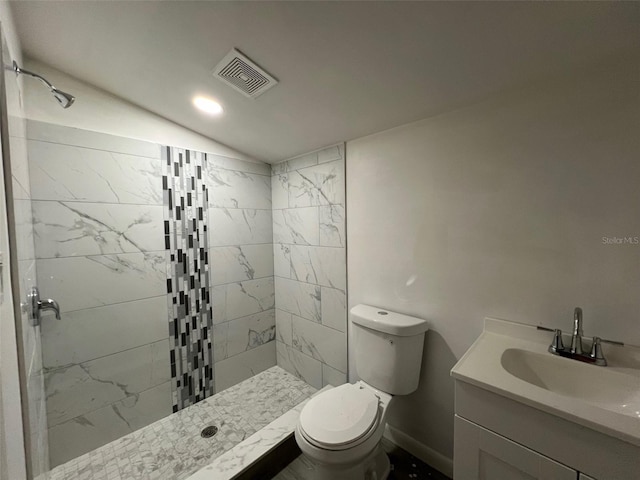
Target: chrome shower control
{"x":36,"y":306}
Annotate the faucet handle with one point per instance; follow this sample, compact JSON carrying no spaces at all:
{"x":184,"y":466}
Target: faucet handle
{"x":596,"y":352}
{"x":36,"y":305}
{"x":49,"y":304}
{"x":556,"y":343}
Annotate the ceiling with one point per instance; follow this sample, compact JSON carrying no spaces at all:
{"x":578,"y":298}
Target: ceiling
{"x":346,"y":69}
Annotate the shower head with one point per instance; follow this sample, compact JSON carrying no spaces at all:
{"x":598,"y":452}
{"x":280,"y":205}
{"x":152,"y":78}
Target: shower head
{"x":64,"y":99}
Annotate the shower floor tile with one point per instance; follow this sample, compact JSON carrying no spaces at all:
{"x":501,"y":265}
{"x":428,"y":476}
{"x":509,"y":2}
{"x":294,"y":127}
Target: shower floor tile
{"x":172,"y":448}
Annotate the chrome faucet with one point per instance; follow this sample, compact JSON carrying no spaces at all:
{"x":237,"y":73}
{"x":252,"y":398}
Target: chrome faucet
{"x":576,"y":337}
{"x":576,"y":351}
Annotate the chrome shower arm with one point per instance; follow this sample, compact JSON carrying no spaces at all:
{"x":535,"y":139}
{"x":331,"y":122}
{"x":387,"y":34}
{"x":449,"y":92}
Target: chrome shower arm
{"x":64,"y":99}
{"x":20,"y":71}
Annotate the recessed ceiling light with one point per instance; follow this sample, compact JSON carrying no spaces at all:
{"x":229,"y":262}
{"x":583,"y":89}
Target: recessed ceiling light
{"x":208,"y":105}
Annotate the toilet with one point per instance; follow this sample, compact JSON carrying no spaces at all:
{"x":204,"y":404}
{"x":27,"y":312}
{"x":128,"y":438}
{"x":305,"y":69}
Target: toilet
{"x":340,"y":429}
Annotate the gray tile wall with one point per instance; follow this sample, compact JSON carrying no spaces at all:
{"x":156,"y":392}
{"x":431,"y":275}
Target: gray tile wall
{"x":309,"y":251}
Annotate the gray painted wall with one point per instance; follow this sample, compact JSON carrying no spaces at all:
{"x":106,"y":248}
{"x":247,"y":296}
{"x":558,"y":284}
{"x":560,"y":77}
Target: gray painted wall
{"x":500,"y":209}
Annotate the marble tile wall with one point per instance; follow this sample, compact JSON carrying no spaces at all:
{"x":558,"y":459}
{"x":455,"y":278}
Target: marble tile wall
{"x":241,"y":259}
{"x":309,"y":255}
{"x":98,"y":234}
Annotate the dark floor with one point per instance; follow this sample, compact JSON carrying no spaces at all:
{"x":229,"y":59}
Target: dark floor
{"x":404,"y":466}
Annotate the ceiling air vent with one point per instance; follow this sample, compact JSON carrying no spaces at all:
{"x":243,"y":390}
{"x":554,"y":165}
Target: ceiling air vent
{"x":241,"y":73}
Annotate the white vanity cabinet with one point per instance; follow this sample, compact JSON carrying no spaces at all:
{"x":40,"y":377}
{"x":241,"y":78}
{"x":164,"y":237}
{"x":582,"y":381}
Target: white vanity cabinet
{"x":483,"y":455}
{"x":523,"y":413}
{"x":499,"y":438}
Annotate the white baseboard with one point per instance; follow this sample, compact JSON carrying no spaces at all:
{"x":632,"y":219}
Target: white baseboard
{"x":428,"y":455}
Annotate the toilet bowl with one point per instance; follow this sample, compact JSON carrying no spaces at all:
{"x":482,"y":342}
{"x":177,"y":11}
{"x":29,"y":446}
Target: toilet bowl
{"x":340,"y":431}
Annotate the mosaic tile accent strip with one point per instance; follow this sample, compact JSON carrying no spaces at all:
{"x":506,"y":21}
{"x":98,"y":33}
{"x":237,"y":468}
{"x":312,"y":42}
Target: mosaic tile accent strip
{"x":172,"y":448}
{"x":185,"y":198}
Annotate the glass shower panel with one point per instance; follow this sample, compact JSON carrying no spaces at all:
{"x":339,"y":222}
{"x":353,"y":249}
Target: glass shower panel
{"x":98,"y":219}
{"x":23,"y":269}
{"x":164,"y":280}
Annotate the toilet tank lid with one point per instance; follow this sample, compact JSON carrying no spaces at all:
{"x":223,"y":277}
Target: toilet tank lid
{"x":386,"y":321}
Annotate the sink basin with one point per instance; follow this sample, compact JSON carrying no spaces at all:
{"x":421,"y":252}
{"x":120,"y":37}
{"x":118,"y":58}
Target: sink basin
{"x":609,"y":389}
{"x":511,"y":360}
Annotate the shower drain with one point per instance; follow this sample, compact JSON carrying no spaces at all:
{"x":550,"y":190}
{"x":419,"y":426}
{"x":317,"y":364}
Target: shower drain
{"x":208,"y":432}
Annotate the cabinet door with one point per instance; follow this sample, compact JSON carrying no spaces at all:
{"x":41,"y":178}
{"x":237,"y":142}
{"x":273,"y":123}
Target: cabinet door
{"x":480,"y":454}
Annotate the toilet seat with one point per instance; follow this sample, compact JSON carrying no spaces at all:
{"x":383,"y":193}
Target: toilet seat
{"x":340,"y":418}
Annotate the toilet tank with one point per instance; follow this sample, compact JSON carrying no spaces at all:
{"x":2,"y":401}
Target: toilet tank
{"x":387,"y":348}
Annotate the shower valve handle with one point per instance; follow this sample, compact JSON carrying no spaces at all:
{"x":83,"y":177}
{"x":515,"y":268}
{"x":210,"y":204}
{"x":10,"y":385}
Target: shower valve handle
{"x":37,"y":306}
